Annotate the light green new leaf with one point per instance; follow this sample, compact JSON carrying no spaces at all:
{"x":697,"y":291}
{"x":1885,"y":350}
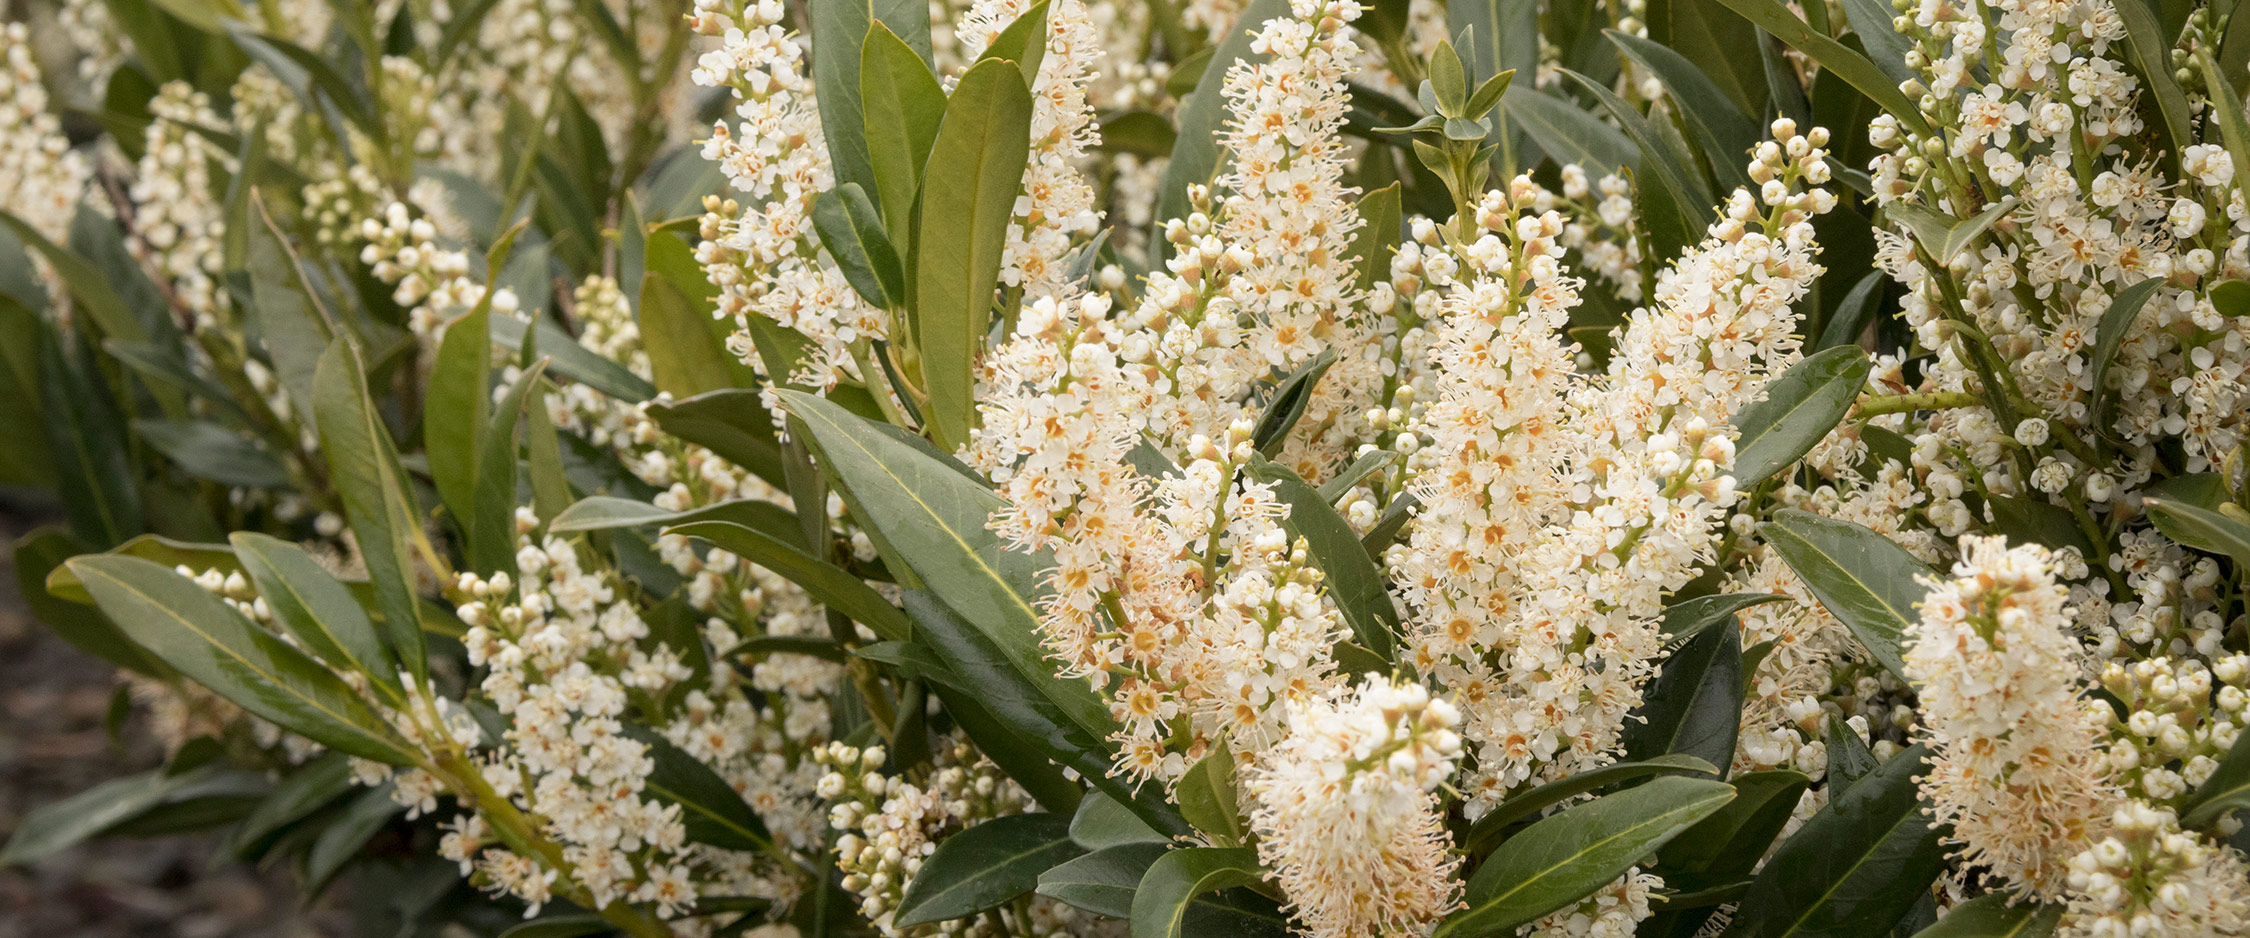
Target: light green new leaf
{"x":318,"y":609}
{"x":1944,"y":237}
{"x":1862,"y":577}
{"x":1567,"y":856}
{"x":1023,"y":42}
{"x":365,"y":468}
{"x":207,"y":640}
{"x":1800,"y":407}
{"x":1167,"y":890}
{"x":1207,"y":799}
{"x":1995,"y":916}
{"x":984,"y":866}
{"x":902,"y":105}
{"x":2201,"y":528}
{"x":1487,"y":829}
{"x":1854,"y":869}
{"x":961,"y":229}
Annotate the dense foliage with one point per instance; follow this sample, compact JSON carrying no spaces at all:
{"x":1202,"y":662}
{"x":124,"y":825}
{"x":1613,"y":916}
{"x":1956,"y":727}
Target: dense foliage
{"x":1194,"y":467}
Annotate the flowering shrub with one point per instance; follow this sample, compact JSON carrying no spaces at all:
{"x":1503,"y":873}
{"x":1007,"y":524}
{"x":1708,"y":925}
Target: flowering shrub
{"x":1216,"y":467}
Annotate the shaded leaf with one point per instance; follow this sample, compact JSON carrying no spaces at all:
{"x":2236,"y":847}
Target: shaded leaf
{"x":1488,"y":829}
{"x":984,"y":866}
{"x":1853,"y":869}
{"x":316,"y":608}
{"x":1162,"y":901}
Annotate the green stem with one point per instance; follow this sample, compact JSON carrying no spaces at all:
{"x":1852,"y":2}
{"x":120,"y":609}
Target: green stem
{"x":1874,"y":405}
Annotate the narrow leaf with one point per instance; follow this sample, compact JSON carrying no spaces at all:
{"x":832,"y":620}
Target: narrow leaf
{"x":1862,"y":577}
{"x":984,"y":866}
{"x":1801,"y":406}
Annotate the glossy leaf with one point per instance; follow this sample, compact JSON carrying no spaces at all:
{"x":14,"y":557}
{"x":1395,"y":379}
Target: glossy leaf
{"x":1720,"y":129}
{"x":2109,"y":335}
{"x":1849,"y":759}
{"x":1688,"y":617}
{"x":961,"y":231}
{"x":1102,"y":822}
{"x":1488,"y":829}
{"x":1695,"y":704}
{"x":1288,"y":403}
{"x":1730,"y":842}
{"x":1102,"y":882}
{"x":1863,"y":578}
{"x":1354,"y":582}
{"x":1567,"y":856}
{"x":210,"y":642}
{"x":1995,"y":916}
{"x":1569,"y":133}
{"x":984,"y":866}
{"x":1852,"y":870}
{"x":1163,"y":900}
{"x":609,"y":513}
{"x":1801,"y":406}
{"x":732,"y":423}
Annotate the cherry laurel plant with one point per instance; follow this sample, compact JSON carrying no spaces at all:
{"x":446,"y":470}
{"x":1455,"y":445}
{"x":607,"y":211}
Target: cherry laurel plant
{"x":1346,"y":468}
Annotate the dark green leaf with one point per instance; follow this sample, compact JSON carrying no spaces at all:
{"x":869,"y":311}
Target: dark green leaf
{"x":1995,"y":916}
{"x":1942,"y":236}
{"x":852,"y":232}
{"x":1849,"y":759}
{"x":1719,"y":127}
{"x":571,"y":925}
{"x":686,"y":349}
{"x":1354,"y":582}
{"x":93,"y":471}
{"x":1375,"y":241}
{"x":455,"y":419}
{"x":1686,"y":618}
{"x":41,"y":553}
{"x":1567,"y":856}
{"x":207,"y":450}
{"x":2227,"y":790}
{"x":1569,"y":134}
{"x":107,"y":807}
{"x":731,"y":423}
{"x":984,"y":866}
{"x":1102,"y":882}
{"x":1102,"y":822}
{"x":1800,"y":407}
{"x":306,"y":789}
{"x":575,"y":361}
{"x":1288,"y":403}
{"x":1833,"y":56}
{"x":367,"y":813}
{"x":1731,"y":842}
{"x":832,"y":585}
{"x":1863,"y":578}
{"x":1854,"y":869}
{"x":1206,"y":797}
{"x":1488,"y":829}
{"x":1695,"y":705}
{"x":1163,"y":899}
{"x":2109,"y":335}
{"x":714,"y":812}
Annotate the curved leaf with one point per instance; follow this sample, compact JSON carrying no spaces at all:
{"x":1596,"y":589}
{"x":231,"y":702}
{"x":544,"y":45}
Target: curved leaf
{"x":1161,"y":903}
{"x":1206,"y":797}
{"x":1683,"y":619}
{"x":984,"y":866}
{"x":1799,"y":409}
{"x":1354,"y":582}
{"x":2110,"y":334}
{"x":834,"y":586}
{"x":1102,"y":882}
{"x":2227,"y":790}
{"x":2201,"y":528}
{"x":1695,"y":704}
{"x":373,"y":490}
{"x":1487,"y":829}
{"x":210,"y":642}
{"x":1567,"y":856}
{"x":1863,"y":578}
{"x":714,"y":812}
{"x":1102,"y":822}
{"x":1854,"y":869}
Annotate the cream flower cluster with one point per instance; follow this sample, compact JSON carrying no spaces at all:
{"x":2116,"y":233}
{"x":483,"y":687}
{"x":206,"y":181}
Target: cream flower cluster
{"x":2045,"y":784}
{"x":178,"y":213}
{"x":760,"y":252}
{"x":887,"y":826}
{"x":2017,"y":769}
{"x":1345,"y":813}
{"x":427,"y":278}
{"x":1559,"y":508}
{"x":41,"y":178}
